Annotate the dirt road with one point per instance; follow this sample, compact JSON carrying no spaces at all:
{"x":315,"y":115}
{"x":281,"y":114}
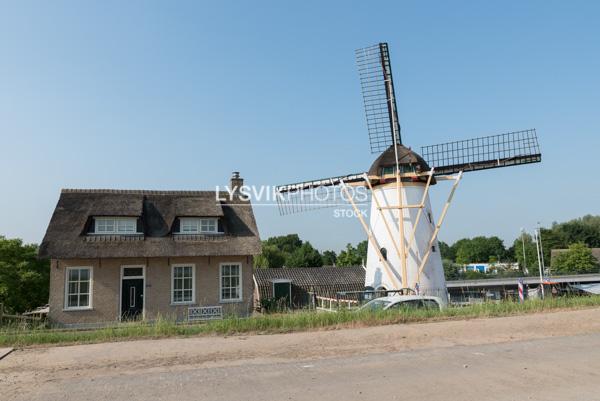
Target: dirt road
{"x":552,"y":356}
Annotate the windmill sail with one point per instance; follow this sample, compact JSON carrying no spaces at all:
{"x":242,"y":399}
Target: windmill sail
{"x":379,"y":99}
{"x":504,"y":150}
{"x":319,"y":194}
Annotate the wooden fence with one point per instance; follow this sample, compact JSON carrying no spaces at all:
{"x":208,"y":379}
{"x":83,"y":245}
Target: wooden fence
{"x":5,"y":317}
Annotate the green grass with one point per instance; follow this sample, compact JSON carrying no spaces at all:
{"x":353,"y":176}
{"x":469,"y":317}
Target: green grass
{"x":282,"y":323}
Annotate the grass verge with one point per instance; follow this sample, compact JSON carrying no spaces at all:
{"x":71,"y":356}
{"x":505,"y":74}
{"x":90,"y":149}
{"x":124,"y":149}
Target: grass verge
{"x":283,"y":323}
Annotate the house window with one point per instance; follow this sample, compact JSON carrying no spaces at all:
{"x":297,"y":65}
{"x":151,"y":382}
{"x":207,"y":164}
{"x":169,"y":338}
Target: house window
{"x":193,"y":225}
{"x":115,"y":225}
{"x":78,"y":291}
{"x":182,"y":284}
{"x":231,"y":282}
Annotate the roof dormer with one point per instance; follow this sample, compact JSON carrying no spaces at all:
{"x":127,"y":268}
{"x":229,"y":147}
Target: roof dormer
{"x":197,"y":225}
{"x":115,"y":225}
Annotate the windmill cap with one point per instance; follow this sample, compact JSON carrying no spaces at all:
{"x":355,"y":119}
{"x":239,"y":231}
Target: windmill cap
{"x":406,"y":157}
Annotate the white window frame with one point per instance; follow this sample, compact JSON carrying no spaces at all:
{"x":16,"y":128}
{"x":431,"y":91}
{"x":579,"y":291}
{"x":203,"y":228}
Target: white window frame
{"x":198,"y":221}
{"x":115,"y":225}
{"x":240,"y":295}
{"x":91,"y":289}
{"x":193,"y":300}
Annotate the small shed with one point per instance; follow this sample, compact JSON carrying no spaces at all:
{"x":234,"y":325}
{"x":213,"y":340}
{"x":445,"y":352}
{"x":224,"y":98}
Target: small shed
{"x":295,"y":285}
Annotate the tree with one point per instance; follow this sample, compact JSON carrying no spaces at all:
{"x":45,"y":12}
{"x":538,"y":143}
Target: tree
{"x":362,"y":248}
{"x":451,"y":269}
{"x":304,"y":256}
{"x":510,"y":254}
{"x":271,"y":257}
{"x":474,"y":275}
{"x":24,"y":279}
{"x":480,"y":249}
{"x":329,"y":258}
{"x":352,"y":256}
{"x":455,"y":247}
{"x":585,"y":229}
{"x":577,"y":259}
{"x":446,"y":251}
{"x":288,"y":250}
{"x":285,"y":243}
{"x":530,"y":254}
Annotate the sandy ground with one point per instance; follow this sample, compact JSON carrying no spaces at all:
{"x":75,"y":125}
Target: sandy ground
{"x":522,"y":357}
{"x":4,"y":352}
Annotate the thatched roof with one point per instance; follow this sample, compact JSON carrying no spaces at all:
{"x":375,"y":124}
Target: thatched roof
{"x":157,"y":210}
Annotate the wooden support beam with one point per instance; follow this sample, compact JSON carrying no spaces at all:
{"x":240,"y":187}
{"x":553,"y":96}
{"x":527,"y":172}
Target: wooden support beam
{"x":387,"y":226}
{"x":401,"y":226}
{"x":446,"y":177}
{"x":437,"y":227}
{"x":403,"y":207}
{"x":420,"y":212}
{"x":389,"y":271}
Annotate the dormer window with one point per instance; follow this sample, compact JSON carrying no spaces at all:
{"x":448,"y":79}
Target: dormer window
{"x":115,"y":225}
{"x":197,"y":225}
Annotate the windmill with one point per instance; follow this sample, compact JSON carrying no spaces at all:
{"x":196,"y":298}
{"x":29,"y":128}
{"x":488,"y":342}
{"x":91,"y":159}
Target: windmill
{"x":403,"y":252}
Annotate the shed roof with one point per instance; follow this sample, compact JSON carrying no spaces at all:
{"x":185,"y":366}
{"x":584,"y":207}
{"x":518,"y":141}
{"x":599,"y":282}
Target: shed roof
{"x":66,"y":238}
{"x":313,"y":276}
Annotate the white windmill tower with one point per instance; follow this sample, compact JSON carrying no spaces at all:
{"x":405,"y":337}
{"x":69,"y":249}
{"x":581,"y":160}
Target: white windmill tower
{"x":403,"y":253}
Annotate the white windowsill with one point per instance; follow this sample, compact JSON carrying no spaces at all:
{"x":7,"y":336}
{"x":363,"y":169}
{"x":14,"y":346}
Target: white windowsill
{"x":230,"y":301}
{"x":115,"y":234}
{"x":182,"y":303}
{"x":201,"y":233}
{"x":77,"y":309}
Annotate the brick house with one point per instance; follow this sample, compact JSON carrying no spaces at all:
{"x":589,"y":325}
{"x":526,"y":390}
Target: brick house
{"x":119,"y":254}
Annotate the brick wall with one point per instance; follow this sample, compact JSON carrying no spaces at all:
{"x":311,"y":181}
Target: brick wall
{"x":106,"y":283}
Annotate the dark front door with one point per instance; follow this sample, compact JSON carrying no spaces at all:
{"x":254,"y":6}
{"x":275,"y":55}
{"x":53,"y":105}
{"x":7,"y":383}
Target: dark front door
{"x":132,"y":298}
{"x":282,"y":293}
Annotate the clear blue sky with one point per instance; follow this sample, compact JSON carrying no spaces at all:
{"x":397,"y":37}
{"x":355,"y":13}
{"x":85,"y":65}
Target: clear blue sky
{"x":177,"y":95}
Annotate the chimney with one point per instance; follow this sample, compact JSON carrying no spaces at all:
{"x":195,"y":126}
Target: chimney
{"x":236,"y":182}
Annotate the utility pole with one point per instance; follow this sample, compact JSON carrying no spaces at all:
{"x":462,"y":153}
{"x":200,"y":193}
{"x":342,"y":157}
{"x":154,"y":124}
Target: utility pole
{"x":537,"y":245}
{"x":525,"y":269}
{"x":542,"y":248}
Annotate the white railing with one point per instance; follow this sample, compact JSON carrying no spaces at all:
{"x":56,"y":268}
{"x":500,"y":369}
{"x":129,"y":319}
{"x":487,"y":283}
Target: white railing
{"x":332,"y":304}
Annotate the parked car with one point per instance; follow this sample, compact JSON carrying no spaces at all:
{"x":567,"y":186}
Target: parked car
{"x":404,"y":302}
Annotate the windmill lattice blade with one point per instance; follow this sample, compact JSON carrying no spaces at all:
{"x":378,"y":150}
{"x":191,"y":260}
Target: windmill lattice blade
{"x":504,"y":150}
{"x":379,"y":99}
{"x":319,"y":194}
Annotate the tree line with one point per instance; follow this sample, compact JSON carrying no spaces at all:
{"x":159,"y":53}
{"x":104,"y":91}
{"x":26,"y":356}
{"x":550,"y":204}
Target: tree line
{"x":290,"y":251}
{"x":24,"y":279}
{"x":577,"y":236}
